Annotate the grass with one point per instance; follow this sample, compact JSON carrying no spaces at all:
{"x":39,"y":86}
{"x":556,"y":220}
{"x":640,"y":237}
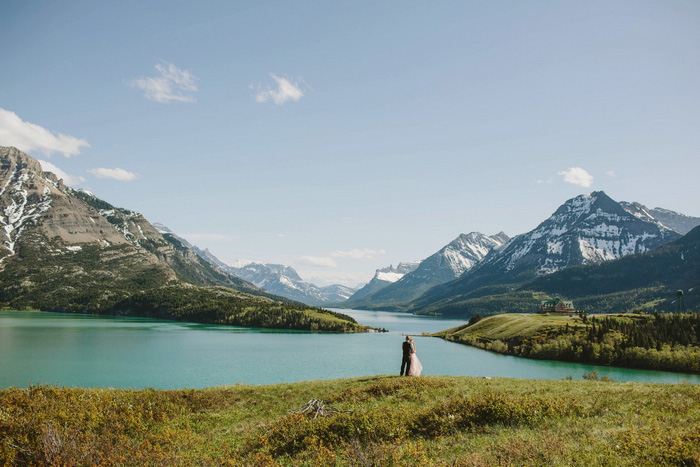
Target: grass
{"x":508,"y":326}
{"x":459,"y":421}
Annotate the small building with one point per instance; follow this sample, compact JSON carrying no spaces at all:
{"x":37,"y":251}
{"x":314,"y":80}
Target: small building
{"x":557,"y":306}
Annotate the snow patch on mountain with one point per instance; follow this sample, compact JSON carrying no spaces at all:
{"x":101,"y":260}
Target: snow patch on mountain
{"x":22,"y":209}
{"x":388,"y":276}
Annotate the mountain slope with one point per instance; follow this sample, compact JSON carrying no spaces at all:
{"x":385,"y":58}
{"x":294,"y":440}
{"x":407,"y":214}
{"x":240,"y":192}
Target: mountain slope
{"x":66,"y":250}
{"x":587,"y":229}
{"x":662,"y":271}
{"x":383,"y":277}
{"x":449,"y":263}
{"x":662,"y":217}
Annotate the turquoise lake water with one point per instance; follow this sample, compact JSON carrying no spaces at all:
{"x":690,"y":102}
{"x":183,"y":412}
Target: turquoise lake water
{"x":103,"y":351}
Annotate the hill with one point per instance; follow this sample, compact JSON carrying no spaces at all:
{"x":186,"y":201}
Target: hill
{"x":67,"y":250}
{"x":660,"y":342}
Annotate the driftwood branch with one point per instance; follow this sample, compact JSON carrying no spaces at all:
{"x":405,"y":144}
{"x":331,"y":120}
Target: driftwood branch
{"x":316,"y":407}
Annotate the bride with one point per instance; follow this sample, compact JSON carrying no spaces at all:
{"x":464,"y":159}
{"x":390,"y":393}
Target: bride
{"x":416,"y":367}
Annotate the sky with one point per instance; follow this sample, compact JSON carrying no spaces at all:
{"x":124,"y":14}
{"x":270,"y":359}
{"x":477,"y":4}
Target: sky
{"x":341,"y":137}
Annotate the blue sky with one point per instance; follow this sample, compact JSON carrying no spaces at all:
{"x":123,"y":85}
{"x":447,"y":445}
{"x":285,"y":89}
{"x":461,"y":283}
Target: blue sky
{"x":340,"y":137}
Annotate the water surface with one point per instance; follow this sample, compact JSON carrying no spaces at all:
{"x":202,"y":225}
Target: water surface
{"x":106,"y":351}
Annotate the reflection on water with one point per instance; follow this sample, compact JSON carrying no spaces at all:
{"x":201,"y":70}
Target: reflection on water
{"x":80,"y":350}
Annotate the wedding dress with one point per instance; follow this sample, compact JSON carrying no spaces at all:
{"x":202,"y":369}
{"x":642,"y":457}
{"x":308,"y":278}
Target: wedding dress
{"x":416,"y":367}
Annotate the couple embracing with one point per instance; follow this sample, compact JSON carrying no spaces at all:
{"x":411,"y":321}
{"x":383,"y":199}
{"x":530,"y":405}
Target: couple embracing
{"x":410,"y":360}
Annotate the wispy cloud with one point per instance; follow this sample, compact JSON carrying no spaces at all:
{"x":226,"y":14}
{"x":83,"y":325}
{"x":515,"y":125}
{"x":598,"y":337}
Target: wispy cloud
{"x":319,"y":261}
{"x":209,"y":237}
{"x":358,"y":253}
{"x":577,"y":176}
{"x":172,"y":84}
{"x":29,"y":137}
{"x":541,"y":181}
{"x":285,"y":91}
{"x":115,"y":174}
{"x":70,"y":180}
{"x":611,"y":174}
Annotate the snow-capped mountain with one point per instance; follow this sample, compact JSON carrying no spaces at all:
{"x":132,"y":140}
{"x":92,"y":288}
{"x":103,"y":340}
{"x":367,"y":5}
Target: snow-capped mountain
{"x":449,"y":263}
{"x":662,"y":217}
{"x":337,"y":293}
{"x":385,"y":276}
{"x":284,"y":281}
{"x":589,"y":228}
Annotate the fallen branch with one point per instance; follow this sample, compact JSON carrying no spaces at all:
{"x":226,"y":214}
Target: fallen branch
{"x":317,"y":407}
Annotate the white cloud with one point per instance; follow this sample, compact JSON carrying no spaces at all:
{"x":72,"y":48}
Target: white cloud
{"x":286,"y":91}
{"x":115,"y":174}
{"x":577,"y":176}
{"x":358,"y":253}
{"x":70,"y":180}
{"x":173,"y":84}
{"x":28,"y":137}
{"x":320,"y":261}
{"x":611,"y":174}
{"x":540,"y":181}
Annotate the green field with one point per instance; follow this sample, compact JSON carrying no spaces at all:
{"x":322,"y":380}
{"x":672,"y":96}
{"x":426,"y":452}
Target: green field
{"x":387,"y":420}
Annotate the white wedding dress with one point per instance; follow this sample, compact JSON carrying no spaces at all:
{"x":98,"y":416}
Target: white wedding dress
{"x":416,"y":367}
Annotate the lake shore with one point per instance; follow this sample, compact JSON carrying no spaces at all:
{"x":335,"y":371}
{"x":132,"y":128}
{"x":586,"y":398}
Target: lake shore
{"x":385,"y":420}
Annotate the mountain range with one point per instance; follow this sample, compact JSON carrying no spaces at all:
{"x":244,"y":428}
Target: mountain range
{"x":276,"y":279}
{"x":447,"y":264}
{"x":66,"y":250}
{"x":589,"y":229}
{"x":63,"y":249}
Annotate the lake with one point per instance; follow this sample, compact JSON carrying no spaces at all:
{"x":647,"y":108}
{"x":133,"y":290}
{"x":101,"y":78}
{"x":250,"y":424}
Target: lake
{"x":105,"y":351}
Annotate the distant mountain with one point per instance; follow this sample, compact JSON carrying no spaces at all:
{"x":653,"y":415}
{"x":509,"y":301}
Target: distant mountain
{"x":276,"y":279}
{"x":66,"y":250}
{"x":385,"y":276}
{"x":337,"y":293}
{"x":663,"y":217}
{"x":449,"y":263}
{"x":586,"y":229}
{"x":284,"y":281}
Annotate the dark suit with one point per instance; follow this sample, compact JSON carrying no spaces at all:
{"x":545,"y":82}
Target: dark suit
{"x":406,"y":360}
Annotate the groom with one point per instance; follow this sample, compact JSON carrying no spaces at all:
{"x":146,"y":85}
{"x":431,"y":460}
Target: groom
{"x":406,"y":361}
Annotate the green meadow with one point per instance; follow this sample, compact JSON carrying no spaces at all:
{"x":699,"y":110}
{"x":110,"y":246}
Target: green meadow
{"x":381,"y":420}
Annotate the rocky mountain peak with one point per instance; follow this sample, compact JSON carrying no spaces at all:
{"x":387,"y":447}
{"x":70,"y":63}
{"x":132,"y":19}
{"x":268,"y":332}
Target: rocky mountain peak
{"x":588,"y":228}
{"x":12,"y":159}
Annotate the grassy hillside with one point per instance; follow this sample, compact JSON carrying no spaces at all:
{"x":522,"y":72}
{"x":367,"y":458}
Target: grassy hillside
{"x":387,"y":421}
{"x":661,"y":342}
